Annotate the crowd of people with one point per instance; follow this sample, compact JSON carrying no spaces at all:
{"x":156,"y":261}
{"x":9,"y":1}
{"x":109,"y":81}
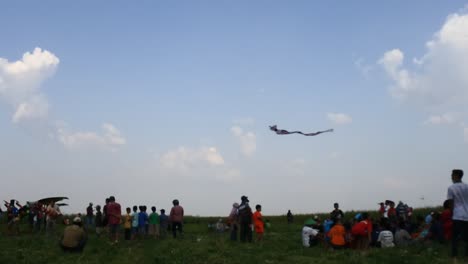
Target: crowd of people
{"x":393,"y":225}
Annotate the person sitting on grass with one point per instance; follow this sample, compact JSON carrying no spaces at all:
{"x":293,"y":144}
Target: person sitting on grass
{"x":310,"y":235}
{"x":74,"y":237}
{"x":385,"y":238}
{"x":402,"y":237}
{"x":337,"y":235}
{"x":258,"y":222}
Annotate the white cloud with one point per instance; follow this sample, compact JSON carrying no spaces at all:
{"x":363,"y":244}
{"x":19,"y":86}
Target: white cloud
{"x":438,"y":81}
{"x":340,"y":118}
{"x":444,"y":119}
{"x":20,"y":83}
{"x":184,"y":158}
{"x":110,"y":138}
{"x":439,"y":77}
{"x":248,"y":121}
{"x":248,"y":140}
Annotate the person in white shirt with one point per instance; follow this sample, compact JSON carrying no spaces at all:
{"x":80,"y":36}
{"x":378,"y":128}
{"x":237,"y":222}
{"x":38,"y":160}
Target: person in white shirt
{"x":457,"y":195}
{"x":309,"y":236}
{"x":386,"y":238}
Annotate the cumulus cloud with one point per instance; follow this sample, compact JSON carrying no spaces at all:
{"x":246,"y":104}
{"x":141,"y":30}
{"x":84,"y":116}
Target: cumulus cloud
{"x":340,"y":118}
{"x":184,"y":158}
{"x":110,"y":137}
{"x":439,"y":77}
{"x":21,"y":80}
{"x":438,"y":81}
{"x":247,"y":140}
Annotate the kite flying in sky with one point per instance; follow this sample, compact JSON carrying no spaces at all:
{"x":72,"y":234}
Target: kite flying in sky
{"x":285,"y":132}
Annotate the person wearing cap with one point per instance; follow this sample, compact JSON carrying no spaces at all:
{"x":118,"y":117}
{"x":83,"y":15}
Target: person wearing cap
{"x":245,"y":220}
{"x":457,"y":194}
{"x":74,"y":237}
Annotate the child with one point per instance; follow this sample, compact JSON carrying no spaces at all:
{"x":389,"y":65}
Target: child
{"x":258,"y":222}
{"x":163,"y":223}
{"x":337,"y":235}
{"x":362,"y":232}
{"x":154,"y":223}
{"x":142,"y":221}
{"x":134,"y":222}
{"x":128,"y":224}
{"x":99,"y":221}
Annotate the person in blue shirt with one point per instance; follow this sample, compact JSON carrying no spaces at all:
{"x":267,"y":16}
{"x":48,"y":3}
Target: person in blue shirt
{"x":163,"y":223}
{"x":142,"y":221}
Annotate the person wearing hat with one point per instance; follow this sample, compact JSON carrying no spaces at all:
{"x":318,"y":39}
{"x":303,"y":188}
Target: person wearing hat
{"x":74,"y":237}
{"x":245,"y":220}
{"x":457,"y":194}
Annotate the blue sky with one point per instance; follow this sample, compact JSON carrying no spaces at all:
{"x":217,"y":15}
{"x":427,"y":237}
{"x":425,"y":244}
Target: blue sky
{"x":152,"y":101}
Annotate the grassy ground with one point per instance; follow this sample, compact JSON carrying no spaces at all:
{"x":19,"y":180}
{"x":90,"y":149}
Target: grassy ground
{"x":282,"y":244}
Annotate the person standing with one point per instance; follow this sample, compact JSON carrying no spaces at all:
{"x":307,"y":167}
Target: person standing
{"x":176,"y":217}
{"x":89,"y":216}
{"x":336,"y":213}
{"x":289,"y":217}
{"x":258,"y":222}
{"x":457,"y":194}
{"x":245,"y":218}
{"x":114,"y":217}
{"x":234,"y":221}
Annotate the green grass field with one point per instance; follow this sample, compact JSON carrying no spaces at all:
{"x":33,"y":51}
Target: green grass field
{"x":282,"y":244}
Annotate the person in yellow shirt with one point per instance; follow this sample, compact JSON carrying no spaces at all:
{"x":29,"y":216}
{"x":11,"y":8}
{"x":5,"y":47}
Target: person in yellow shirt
{"x":337,"y":235}
{"x":128,"y":224}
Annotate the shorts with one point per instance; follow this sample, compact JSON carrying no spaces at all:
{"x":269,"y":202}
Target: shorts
{"x":259,"y":229}
{"x":114,"y":228}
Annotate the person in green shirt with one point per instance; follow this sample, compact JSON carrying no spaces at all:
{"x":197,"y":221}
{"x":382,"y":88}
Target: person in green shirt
{"x":154,"y":223}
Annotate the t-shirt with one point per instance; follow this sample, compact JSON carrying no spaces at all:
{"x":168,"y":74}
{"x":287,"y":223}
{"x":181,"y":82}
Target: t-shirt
{"x":362,"y":228}
{"x":402,"y":238}
{"x":154,"y":219}
{"x":458,"y":192}
{"x":72,"y":236}
{"x":135,"y":219}
{"x":142,"y":219}
{"x":164,"y":220}
{"x":245,"y":213}
{"x":177,"y":213}
{"x":128,"y":221}
{"x":386,"y":239}
{"x":337,"y":214}
{"x":114,"y":213}
{"x":98,"y":220}
{"x":337,"y":235}
{"x":258,"y":222}
{"x":89,"y":211}
{"x":307,"y":232}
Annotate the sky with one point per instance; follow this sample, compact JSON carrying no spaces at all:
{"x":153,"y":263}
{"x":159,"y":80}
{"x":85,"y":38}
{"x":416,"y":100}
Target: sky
{"x":152,"y":101}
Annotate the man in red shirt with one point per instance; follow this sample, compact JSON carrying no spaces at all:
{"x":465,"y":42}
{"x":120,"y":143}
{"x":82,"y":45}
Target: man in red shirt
{"x":176,"y":217}
{"x":114,"y":218}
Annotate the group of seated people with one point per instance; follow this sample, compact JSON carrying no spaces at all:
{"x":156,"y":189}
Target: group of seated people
{"x":362,"y":232}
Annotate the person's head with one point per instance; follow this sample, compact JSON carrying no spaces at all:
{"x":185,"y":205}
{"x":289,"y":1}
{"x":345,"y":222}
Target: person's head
{"x":258,"y":207}
{"x":162,"y":211}
{"x":365,"y":216}
{"x":140,"y":208}
{"x":135,"y":208}
{"x":107,"y":200}
{"x":128,"y":210}
{"x":90,"y":204}
{"x":98,"y":208}
{"x":153,"y":209}
{"x":336,"y":205}
{"x":77,"y":221}
{"x":244,"y":199}
{"x":235,"y":205}
{"x":112,"y":199}
{"x":175,"y":202}
{"x":448,"y":204}
{"x":457,"y":175}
